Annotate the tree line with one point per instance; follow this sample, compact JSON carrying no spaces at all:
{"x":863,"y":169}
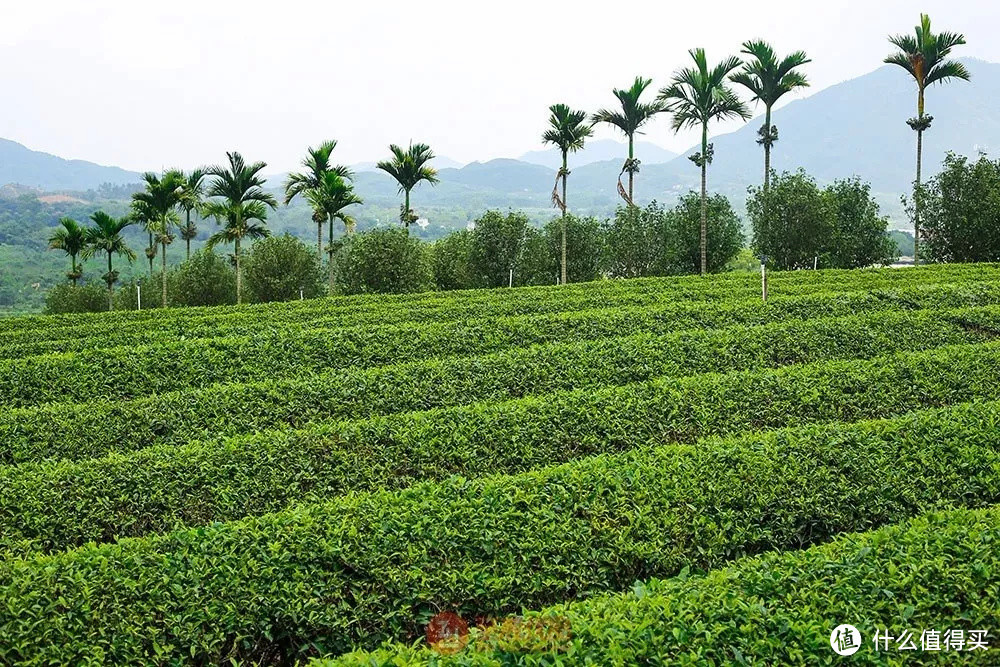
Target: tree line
{"x":697,"y":95}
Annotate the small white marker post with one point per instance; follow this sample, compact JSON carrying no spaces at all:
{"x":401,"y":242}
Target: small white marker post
{"x":138,"y":295}
{"x":511,"y":283}
{"x":763,"y":277}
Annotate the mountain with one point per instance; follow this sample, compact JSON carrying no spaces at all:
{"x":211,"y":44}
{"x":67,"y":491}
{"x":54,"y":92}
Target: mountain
{"x":24,"y":166}
{"x":600,"y":150}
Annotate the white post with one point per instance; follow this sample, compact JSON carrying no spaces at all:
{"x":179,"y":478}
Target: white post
{"x":301,"y":295}
{"x":763,"y":280}
{"x":511,"y":283}
{"x":138,"y":296}
{"x":815,"y":261}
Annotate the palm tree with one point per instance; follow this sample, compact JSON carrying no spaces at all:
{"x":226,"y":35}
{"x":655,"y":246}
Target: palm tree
{"x":71,"y":238}
{"x":696,"y":96}
{"x":156,"y":204}
{"x":191,"y":199}
{"x":331,"y":195}
{"x":768,"y":79}
{"x":106,"y":236}
{"x":409,"y":167}
{"x":317,"y":164}
{"x":925,"y":56}
{"x":568,"y":130}
{"x":633,"y":115}
{"x":239,"y":205}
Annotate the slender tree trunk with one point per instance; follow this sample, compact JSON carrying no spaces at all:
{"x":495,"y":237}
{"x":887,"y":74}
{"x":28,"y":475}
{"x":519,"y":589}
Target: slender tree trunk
{"x":163,"y":265}
{"x":330,"y":261}
{"x":767,"y":150}
{"x":564,"y":208}
{"x":239,"y":274}
{"x":704,"y":199}
{"x":319,"y":242}
{"x":406,"y":222}
{"x":188,"y":242}
{"x":150,"y":256}
{"x":917,"y":202}
{"x":72,"y":261}
{"x":631,"y":172}
{"x":111,"y":292}
{"x":187,"y":229}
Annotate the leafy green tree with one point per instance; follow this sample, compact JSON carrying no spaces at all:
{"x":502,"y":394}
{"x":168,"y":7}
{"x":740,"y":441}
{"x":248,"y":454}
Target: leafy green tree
{"x":330,"y":198}
{"x":191,"y":199}
{"x":317,"y":165}
{"x":277,"y":268}
{"x":206,"y":279}
{"x":497,"y":244}
{"x":768,"y":80}
{"x":630,"y":119}
{"x":962,"y":211}
{"x":384,"y":261}
{"x":71,"y":238}
{"x":451,"y":261}
{"x":797,"y":225}
{"x":634,"y":241}
{"x":106,"y":237}
{"x":409,"y":167}
{"x":681,"y":236}
{"x":156,"y":204}
{"x":924,"y":56}
{"x":568,"y":130}
{"x":574,"y":248}
{"x":240,"y":204}
{"x":67,"y":298}
{"x":860,"y":233}
{"x":697,"y":96}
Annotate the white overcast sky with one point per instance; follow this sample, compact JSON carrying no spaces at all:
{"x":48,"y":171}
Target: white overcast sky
{"x":150,"y":85}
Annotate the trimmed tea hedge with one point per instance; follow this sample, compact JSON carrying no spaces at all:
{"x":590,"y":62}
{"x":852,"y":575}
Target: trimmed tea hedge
{"x":93,"y":429}
{"x":365,"y":568}
{"x":123,"y":373}
{"x":937,"y":572}
{"x":59,"y":505}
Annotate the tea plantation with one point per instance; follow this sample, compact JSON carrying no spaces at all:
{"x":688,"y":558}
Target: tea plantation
{"x":654,"y":471}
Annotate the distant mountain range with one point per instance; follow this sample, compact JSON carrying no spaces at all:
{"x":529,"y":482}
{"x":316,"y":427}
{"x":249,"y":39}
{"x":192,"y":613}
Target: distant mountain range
{"x":855,"y":127}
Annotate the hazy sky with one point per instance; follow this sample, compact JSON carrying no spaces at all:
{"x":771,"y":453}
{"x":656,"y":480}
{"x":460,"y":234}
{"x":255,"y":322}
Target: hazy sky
{"x":151,"y":85}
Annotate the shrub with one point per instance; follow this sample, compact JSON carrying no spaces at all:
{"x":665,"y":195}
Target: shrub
{"x":282,"y":268}
{"x":498,"y":243}
{"x":585,"y":249}
{"x":385,"y":261}
{"x":206,"y":279}
{"x":452,"y":257}
{"x":293,"y":584}
{"x":960,"y":211}
{"x":67,"y":298}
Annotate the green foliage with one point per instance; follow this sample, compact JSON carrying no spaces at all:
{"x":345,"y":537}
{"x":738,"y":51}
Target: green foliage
{"x":960,"y":211}
{"x":294,"y":583}
{"x":383,"y":261}
{"x":635,"y":239}
{"x":798,"y":225}
{"x":585,"y":248}
{"x":681,"y":249}
{"x":69,"y":298}
{"x":775,"y":609}
{"x":204,"y":280}
{"x":278,"y":267}
{"x":451,"y":257}
{"x":498,"y":243}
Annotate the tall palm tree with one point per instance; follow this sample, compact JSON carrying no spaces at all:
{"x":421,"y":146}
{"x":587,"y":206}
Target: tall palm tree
{"x":568,"y":130}
{"x":106,"y":237}
{"x":633,"y":115}
{"x":71,"y":238}
{"x":331,"y":195}
{"x":156,"y":204}
{"x":317,"y":164}
{"x":768,"y":79}
{"x":191,"y":199}
{"x":409,"y":167}
{"x":239,"y":204}
{"x":924,"y":56}
{"x":695,"y":97}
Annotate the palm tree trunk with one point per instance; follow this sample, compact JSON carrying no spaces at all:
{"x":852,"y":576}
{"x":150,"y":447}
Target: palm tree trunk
{"x":111,"y":293}
{"x":916,"y":201}
{"x":239,"y":273}
{"x":564,"y":207}
{"x":406,"y":222}
{"x":631,"y":173}
{"x":704,"y":199}
{"x":330,"y":261}
{"x":72,"y":269}
{"x":319,"y":242}
{"x":187,"y":228}
{"x":767,"y":150}
{"x":149,"y":256}
{"x":188,"y":242}
{"x":163,"y":266}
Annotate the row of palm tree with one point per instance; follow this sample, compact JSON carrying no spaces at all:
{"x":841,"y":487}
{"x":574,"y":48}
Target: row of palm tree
{"x":700,"y":94}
